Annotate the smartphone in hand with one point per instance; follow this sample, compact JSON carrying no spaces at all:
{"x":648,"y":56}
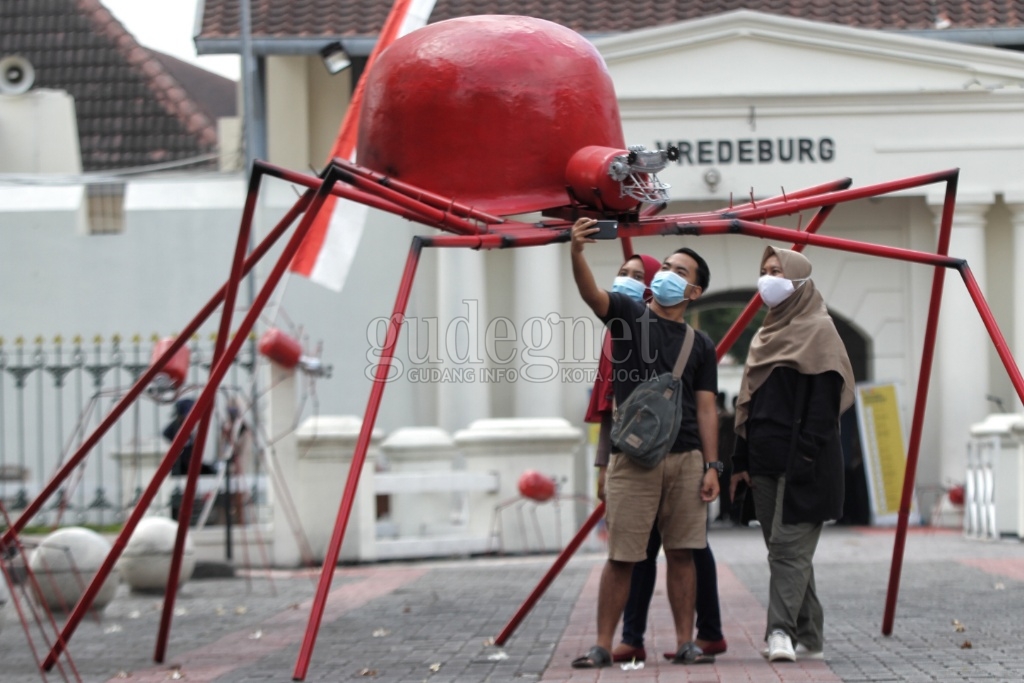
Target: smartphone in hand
{"x":607,"y":230}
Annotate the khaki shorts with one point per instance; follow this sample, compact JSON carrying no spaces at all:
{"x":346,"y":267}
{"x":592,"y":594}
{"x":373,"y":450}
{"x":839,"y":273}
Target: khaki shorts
{"x":669,"y":493}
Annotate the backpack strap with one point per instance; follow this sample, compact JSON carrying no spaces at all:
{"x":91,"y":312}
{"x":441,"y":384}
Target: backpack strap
{"x":684,"y":353}
{"x":677,"y":369}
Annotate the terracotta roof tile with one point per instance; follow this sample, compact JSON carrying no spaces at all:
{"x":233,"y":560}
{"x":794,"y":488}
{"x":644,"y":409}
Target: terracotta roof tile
{"x":346,"y":18}
{"x":131,"y":111}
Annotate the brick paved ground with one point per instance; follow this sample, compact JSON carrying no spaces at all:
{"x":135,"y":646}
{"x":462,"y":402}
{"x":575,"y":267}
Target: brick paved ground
{"x":431,"y":621}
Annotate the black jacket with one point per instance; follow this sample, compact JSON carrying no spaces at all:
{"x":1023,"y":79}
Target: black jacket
{"x":800,"y":441}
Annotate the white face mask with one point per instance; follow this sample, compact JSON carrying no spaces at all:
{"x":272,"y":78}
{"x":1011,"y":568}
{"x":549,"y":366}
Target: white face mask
{"x":774,"y":290}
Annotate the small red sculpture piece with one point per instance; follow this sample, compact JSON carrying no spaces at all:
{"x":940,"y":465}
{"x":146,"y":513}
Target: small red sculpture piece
{"x":281,"y":348}
{"x":535,"y":486}
{"x":956,"y":495}
{"x":175,"y":371}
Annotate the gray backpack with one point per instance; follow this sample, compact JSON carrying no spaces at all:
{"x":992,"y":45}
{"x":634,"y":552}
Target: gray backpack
{"x":645,"y":426}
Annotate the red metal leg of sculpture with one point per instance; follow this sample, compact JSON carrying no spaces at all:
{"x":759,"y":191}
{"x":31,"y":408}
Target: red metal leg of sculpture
{"x":358,"y":458}
{"x":202,"y":405}
{"x":917,"y":423}
{"x":195,"y":464}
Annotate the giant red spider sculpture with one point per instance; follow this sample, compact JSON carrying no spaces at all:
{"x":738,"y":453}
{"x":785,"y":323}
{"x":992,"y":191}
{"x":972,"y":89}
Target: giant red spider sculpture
{"x":439,"y":103}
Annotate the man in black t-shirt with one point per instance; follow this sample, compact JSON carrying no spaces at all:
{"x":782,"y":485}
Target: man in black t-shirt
{"x":646,"y":341}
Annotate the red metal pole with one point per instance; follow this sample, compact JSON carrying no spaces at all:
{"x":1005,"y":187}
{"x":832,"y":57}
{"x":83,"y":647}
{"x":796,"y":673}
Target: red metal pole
{"x":507,"y":238}
{"x":917,"y":425}
{"x":425,"y":196}
{"x":202,"y":404}
{"x":143,"y":381}
{"x":627,"y":248}
{"x":348,"y":192}
{"x":701,"y":223}
{"x":796,"y":202}
{"x":778,"y":200}
{"x":195,"y":464}
{"x":553,"y":572}
{"x":1002,"y":348}
{"x":32,"y":581}
{"x":361,"y":188}
{"x":358,"y":458}
{"x":758,"y":230}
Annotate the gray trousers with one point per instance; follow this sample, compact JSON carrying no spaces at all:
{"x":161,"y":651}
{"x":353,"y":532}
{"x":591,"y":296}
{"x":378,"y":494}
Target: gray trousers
{"x":793,"y":605}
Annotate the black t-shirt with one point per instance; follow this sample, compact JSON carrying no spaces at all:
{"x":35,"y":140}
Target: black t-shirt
{"x":645,"y":345}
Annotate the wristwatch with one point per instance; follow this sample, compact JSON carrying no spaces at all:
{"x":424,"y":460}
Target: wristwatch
{"x":716,"y":466}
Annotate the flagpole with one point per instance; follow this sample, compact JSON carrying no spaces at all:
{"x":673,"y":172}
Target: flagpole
{"x":253,"y":150}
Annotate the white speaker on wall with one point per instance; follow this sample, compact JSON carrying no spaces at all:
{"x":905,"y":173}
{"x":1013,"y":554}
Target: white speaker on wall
{"x":16,"y":75}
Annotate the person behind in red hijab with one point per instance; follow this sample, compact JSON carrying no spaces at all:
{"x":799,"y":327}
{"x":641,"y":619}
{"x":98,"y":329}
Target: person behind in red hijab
{"x":637,"y":269}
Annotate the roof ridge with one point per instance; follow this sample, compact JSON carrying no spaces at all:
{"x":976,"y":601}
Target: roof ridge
{"x":167,"y":91}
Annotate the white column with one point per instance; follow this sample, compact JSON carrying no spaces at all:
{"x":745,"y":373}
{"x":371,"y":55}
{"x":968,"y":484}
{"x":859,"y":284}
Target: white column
{"x":1016,"y":205}
{"x":278,"y":424}
{"x":962,"y":346}
{"x":538,"y":309}
{"x":462,"y":323}
{"x":326,"y":447}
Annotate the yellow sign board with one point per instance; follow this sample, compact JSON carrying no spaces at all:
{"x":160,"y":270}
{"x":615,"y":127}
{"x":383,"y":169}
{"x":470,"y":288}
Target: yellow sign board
{"x":885,"y":453}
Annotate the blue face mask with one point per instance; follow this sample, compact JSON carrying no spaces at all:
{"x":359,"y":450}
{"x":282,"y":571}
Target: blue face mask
{"x":668,"y":288}
{"x":634,"y":289}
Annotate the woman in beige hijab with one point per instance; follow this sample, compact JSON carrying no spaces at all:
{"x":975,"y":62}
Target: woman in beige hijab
{"x":796,"y":383}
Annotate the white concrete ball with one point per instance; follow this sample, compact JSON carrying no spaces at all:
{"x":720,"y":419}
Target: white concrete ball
{"x":145,"y":563}
{"x":65,"y":563}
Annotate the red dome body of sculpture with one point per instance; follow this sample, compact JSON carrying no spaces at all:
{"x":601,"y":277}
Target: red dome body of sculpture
{"x":487,"y":110}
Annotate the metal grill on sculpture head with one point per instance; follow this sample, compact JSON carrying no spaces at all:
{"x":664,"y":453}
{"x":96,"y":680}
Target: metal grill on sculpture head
{"x":637,"y":172}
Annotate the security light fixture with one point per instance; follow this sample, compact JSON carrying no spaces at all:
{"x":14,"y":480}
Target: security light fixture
{"x":335,"y":58}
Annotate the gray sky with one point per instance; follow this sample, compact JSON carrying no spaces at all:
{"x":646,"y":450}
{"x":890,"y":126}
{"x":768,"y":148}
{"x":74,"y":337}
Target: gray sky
{"x":167,"y":26}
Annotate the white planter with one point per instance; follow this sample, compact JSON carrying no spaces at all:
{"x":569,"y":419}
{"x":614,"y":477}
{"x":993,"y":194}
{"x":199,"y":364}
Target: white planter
{"x":65,"y":563}
{"x":145,"y":563}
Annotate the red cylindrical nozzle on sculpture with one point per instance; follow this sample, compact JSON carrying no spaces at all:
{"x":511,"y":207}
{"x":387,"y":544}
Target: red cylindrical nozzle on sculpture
{"x":536,"y":486}
{"x":176,"y":369}
{"x":280,"y":348}
{"x":587,"y":173}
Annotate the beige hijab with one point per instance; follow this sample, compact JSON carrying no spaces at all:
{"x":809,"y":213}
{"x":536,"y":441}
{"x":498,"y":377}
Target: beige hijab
{"x":798,"y":334}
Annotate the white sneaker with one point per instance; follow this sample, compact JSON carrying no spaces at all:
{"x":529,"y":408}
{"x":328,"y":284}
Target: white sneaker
{"x":803,"y":653}
{"x":780,"y":647}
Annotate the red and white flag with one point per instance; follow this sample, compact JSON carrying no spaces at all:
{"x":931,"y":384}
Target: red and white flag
{"x":327,"y":252}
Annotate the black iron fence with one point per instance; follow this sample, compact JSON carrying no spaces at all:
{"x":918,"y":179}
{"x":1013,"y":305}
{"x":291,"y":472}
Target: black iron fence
{"x":54,"y":393}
